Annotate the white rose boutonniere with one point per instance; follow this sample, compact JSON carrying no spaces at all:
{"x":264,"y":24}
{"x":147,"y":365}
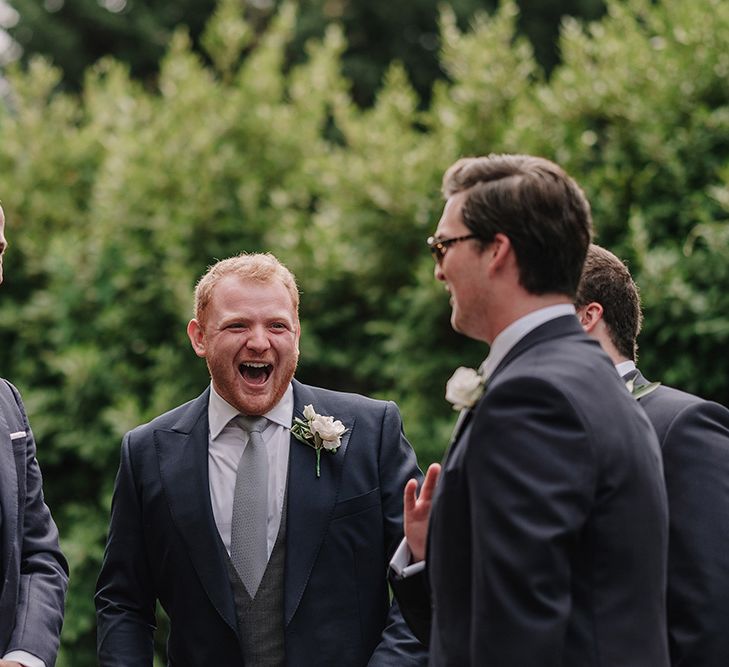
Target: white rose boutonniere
{"x":319,"y":432}
{"x":642,"y":389}
{"x":464,"y":388}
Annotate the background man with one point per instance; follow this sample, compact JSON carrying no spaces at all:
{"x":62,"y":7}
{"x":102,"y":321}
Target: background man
{"x":33,"y":571}
{"x":548,"y":527}
{"x":328,"y":520}
{"x":694,"y":438}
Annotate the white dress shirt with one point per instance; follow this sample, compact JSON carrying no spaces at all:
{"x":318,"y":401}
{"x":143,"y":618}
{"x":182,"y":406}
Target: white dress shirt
{"x":500,"y":347}
{"x":625,"y":367}
{"x":25,"y":659}
{"x":512,"y":334}
{"x":225,"y":447}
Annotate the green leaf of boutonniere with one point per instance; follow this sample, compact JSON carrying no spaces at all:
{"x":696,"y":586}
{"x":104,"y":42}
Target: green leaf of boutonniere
{"x":642,"y":389}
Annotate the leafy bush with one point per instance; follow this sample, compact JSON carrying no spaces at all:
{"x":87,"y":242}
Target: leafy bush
{"x":117,"y":199}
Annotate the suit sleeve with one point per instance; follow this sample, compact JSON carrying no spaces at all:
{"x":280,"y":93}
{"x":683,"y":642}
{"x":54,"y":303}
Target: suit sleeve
{"x":696,"y":468}
{"x":529,"y":474}
{"x":125,"y":598}
{"x":397,"y":463}
{"x":43,"y":568}
{"x":413,"y":597}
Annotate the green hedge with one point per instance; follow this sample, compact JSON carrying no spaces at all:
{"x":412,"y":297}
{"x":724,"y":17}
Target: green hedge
{"x":116,"y":201}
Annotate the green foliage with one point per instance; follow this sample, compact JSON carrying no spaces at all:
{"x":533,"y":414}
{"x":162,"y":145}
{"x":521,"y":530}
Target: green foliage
{"x":118,"y":198}
{"x":639,"y":112}
{"x":75,"y":34}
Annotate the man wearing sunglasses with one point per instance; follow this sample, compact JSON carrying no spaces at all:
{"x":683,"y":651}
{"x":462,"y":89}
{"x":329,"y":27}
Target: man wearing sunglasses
{"x":544,"y":537}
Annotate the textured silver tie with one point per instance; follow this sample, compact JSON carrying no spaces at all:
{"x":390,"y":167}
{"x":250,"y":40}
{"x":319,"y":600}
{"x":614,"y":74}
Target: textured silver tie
{"x":249,"y":526}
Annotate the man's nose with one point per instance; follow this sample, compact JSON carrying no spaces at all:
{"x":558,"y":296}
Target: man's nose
{"x":258,"y":339}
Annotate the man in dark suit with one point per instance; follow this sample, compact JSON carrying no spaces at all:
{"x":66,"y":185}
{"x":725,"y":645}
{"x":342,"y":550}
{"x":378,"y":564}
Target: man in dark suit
{"x":33,"y":571}
{"x":548,"y":526}
{"x":694,"y":438}
{"x":330,"y":505}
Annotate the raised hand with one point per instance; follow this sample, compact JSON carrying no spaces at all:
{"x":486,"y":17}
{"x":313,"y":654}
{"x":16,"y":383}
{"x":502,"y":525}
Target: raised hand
{"x":416,"y":511}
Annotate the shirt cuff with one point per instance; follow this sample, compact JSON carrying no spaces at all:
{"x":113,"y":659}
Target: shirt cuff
{"x":24,"y":658}
{"x":401,"y":559}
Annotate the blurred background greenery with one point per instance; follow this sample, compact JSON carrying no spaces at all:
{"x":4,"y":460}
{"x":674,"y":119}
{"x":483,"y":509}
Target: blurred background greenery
{"x":135,"y":151}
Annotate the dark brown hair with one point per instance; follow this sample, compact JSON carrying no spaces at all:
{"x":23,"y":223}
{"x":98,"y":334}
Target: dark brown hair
{"x":531,"y":200}
{"x":607,"y":281}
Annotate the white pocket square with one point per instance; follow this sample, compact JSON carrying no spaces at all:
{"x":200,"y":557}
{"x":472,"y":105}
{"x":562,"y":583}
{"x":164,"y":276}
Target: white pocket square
{"x":18,"y":434}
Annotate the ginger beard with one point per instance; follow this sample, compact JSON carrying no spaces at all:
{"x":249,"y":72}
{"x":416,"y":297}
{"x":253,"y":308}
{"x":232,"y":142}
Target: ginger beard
{"x":250,"y":341}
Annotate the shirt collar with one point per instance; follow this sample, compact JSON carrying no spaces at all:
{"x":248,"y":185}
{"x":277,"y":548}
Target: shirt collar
{"x":512,"y":334}
{"x":624,"y":367}
{"x":220,"y":412}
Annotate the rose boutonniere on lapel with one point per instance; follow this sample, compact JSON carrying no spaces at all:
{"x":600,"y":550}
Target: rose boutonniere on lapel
{"x":319,"y":432}
{"x":642,"y":389}
{"x":464,"y":388}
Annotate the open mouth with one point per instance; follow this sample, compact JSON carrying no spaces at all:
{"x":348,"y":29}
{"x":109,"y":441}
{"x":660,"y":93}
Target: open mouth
{"x":255,"y":372}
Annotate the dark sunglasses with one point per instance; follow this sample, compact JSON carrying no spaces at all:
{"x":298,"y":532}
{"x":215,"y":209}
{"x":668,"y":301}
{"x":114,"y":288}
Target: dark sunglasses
{"x":438,"y":247}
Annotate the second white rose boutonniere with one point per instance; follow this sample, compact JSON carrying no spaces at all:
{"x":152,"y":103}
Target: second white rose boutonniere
{"x":319,"y":432}
{"x":642,"y":389}
{"x":464,"y":388}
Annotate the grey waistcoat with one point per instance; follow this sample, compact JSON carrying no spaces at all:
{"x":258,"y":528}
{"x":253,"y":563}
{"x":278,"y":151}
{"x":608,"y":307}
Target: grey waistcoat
{"x":261,"y":620}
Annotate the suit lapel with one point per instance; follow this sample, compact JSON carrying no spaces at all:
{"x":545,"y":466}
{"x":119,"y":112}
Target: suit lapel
{"x":311,"y":499}
{"x":183,"y":462}
{"x":463,"y":419}
{"x":560,"y":326}
{"x":8,"y":494}
{"x":636,"y":376}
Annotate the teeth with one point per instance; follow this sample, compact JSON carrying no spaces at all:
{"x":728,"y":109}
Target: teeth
{"x":253,"y":364}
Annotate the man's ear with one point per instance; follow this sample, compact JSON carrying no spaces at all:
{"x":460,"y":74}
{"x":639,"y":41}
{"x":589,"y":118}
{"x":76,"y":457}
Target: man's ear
{"x":197,"y":337}
{"x":590,"y":315}
{"x":499,"y":250}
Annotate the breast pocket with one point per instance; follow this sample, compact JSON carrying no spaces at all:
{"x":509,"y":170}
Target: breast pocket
{"x":356,"y":504}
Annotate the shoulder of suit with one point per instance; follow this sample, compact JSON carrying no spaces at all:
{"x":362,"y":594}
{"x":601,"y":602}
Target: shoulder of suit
{"x":670,"y":409}
{"x":9,"y":390}
{"x":672,"y":396}
{"x":5,"y":384}
{"x":166,"y":419}
{"x":332,"y":396}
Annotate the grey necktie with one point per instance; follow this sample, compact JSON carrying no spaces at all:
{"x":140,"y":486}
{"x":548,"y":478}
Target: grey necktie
{"x":249,"y":526}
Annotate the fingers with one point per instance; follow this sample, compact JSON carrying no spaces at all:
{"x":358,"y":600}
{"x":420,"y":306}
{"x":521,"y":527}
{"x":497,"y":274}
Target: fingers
{"x":431,"y":479}
{"x":409,"y":495}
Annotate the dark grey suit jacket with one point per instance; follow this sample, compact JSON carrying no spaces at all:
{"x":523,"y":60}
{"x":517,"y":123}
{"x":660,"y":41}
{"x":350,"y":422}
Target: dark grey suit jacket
{"x":341,"y":531}
{"x":34,"y":572}
{"x":548,"y":532}
{"x":694,"y":438}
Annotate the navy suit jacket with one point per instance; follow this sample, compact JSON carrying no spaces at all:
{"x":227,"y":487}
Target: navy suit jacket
{"x":548,"y":531}
{"x":341,"y":531}
{"x":34,"y":573}
{"x":694,"y":438}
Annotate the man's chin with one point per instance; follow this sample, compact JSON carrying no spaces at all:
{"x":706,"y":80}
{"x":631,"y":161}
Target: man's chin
{"x":260,"y":402}
{"x":256,"y":405}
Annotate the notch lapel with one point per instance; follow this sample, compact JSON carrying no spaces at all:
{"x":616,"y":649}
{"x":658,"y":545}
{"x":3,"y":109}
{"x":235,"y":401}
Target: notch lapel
{"x":311,"y":499}
{"x":182,"y":452}
{"x":461,"y":423}
{"x":557,"y":327}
